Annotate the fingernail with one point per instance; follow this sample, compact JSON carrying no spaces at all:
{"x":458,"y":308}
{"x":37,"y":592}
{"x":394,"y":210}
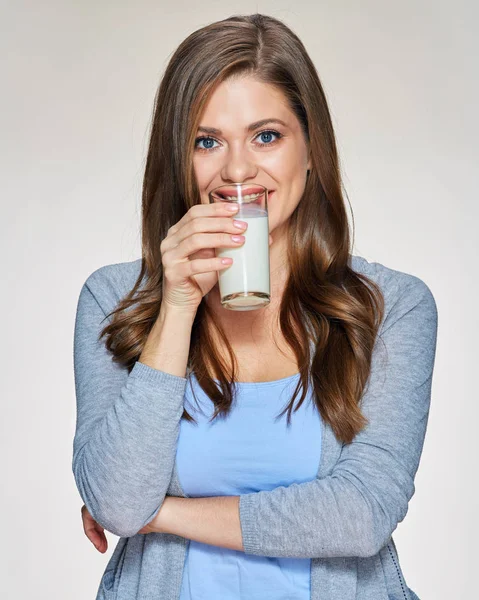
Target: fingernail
{"x":232,"y":207}
{"x":239,"y":224}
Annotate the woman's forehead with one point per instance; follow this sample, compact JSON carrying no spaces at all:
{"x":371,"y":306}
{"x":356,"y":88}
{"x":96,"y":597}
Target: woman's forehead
{"x":246,"y":104}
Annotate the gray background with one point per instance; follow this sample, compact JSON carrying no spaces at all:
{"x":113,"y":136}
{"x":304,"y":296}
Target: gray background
{"x":78,"y":82}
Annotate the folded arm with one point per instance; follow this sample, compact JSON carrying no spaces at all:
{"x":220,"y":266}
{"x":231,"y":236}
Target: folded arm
{"x":354,"y":510}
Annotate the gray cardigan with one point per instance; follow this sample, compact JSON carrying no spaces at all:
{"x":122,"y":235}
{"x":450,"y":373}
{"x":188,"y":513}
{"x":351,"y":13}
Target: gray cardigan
{"x":125,"y":444}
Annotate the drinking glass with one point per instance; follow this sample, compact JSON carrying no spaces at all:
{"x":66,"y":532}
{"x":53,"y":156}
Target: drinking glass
{"x":245,"y":285}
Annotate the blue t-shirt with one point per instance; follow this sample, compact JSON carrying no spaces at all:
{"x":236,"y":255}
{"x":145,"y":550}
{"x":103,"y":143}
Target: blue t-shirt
{"x":249,"y":451}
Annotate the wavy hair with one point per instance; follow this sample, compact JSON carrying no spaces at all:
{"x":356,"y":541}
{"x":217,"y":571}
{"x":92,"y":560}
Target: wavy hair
{"x":325,"y":301}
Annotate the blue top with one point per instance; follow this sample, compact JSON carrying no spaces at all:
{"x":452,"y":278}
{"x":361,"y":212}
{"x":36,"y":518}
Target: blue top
{"x":250,"y":451}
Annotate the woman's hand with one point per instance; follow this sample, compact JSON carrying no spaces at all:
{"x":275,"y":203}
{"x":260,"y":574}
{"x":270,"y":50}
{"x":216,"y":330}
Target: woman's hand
{"x":94,"y":531}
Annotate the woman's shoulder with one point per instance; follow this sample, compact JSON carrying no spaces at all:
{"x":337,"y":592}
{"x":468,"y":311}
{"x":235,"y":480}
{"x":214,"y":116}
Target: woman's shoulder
{"x":401,"y":290}
{"x":387,"y":278}
{"x":110,"y":283}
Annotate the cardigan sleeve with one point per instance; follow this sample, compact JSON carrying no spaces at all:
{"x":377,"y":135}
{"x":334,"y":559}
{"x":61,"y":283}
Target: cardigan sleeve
{"x":127,"y":424}
{"x":354,"y":510}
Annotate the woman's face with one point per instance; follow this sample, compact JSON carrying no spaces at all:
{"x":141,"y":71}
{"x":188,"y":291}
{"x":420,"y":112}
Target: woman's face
{"x":273,"y":154}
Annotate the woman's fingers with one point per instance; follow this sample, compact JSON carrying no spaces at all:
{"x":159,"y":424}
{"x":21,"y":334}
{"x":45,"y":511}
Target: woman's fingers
{"x":99,"y":540}
{"x":94,"y":531}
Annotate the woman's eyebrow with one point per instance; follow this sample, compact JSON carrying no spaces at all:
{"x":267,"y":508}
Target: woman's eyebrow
{"x":251,"y":127}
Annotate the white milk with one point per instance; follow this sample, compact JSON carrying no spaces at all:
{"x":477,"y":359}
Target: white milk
{"x":250,"y":269}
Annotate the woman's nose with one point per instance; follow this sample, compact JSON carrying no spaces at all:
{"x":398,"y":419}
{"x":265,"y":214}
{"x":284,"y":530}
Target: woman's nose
{"x":239,"y":166}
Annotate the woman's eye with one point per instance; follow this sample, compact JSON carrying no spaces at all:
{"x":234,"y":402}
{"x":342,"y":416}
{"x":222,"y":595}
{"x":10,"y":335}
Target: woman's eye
{"x":268,"y":135}
{"x":207,"y":141}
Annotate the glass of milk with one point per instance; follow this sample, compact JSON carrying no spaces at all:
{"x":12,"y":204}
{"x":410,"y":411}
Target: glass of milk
{"x":245,"y":284}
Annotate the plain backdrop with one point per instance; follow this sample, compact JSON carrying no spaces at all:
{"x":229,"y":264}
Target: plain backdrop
{"x":78,"y":81}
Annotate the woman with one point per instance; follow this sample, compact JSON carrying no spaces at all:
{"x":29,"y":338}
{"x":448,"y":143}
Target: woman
{"x":254,"y":516}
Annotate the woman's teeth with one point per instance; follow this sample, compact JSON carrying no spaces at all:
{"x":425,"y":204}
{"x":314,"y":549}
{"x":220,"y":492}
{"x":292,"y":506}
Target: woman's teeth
{"x":246,"y":197}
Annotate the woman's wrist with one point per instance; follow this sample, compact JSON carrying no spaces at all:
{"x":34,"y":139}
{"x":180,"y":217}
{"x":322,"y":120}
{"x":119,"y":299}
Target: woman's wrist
{"x":159,"y":523}
{"x":161,"y":520}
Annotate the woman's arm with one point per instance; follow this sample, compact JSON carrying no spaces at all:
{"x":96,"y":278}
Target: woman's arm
{"x":127,"y":423}
{"x":213,"y":520}
{"x":354,"y":510}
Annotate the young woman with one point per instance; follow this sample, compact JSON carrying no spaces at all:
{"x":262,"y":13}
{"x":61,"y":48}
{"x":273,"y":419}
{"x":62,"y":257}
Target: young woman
{"x":182,"y":447}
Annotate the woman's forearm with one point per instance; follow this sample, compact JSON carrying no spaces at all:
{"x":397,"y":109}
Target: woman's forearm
{"x":213,"y":520}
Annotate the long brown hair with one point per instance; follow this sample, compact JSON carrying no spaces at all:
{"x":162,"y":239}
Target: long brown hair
{"x":323,"y":298}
